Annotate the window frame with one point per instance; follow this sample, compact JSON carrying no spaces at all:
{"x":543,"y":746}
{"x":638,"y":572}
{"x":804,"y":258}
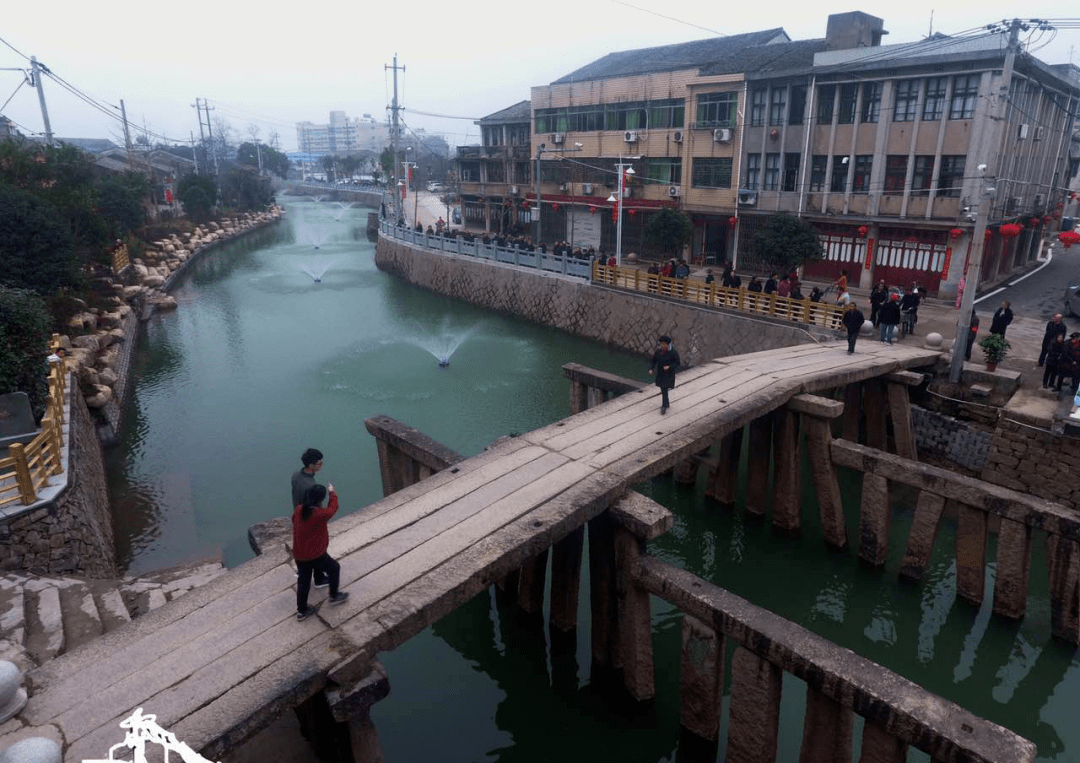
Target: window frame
{"x":849,"y":102}
{"x":895,"y":174}
{"x":839,"y":174}
{"x":951,"y":175}
{"x":826,"y":105}
{"x":965,"y":94}
{"x":936,"y":99}
{"x":777,"y":106}
{"x":759,"y":102}
{"x":753,"y":172}
{"x":819,"y":164}
{"x":906,"y":100}
{"x":789,"y":181}
{"x":718,"y":101}
{"x":770,"y":178}
{"x":870,"y":111}
{"x":707,"y":170}
{"x":864,"y":169}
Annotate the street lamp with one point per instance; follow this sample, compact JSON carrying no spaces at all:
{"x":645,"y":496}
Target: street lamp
{"x":622,"y":192}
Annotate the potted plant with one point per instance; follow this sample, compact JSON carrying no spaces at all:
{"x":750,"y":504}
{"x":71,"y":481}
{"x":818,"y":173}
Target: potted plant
{"x":995,"y":347}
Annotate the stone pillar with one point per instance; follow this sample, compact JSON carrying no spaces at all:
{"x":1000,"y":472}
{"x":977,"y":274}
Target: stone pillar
{"x":787,"y":496}
{"x":757,"y":479}
{"x":579,"y":397}
{"x":827,"y":730}
{"x":754,"y":712}
{"x":1013,"y":569}
{"x":923,"y":533}
{"x":879,"y":746}
{"x":724,"y":479}
{"x":634,"y":633}
{"x":831,"y":508}
{"x":874,"y":520}
{"x":566,"y":579}
{"x":900,"y":413}
{"x":701,"y":679}
{"x":1063,"y":557}
{"x":531,"y":580}
{"x":852,"y":411}
{"x":874,"y":408}
{"x":686,"y":470}
{"x":971,"y":533}
{"x":596,"y":396}
{"x":602,"y":589}
{"x":350,"y":706}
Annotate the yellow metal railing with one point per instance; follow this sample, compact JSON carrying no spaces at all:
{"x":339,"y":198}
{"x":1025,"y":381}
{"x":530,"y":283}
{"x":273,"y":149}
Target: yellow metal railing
{"x":714,"y":295}
{"x":27,"y":467}
{"x":120,"y":258}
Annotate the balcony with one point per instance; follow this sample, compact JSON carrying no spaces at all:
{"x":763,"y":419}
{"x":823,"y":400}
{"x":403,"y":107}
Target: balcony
{"x":468,"y":152}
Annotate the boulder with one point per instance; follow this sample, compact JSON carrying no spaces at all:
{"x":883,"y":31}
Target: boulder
{"x":109,"y":320}
{"x":100,"y":397}
{"x":107,"y":377}
{"x":164,"y":302}
{"x":154,"y":280}
{"x":79,"y":357}
{"x":123,"y":311}
{"x":104,"y":339}
{"x":131,"y":292}
{"x":65,"y":342}
{"x":87,"y":342}
{"x":87,"y":376}
{"x":139,"y":269}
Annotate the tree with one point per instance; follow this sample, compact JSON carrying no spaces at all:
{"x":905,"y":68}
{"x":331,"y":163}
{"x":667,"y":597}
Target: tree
{"x":668,"y":230}
{"x":787,"y":242}
{"x":272,"y":160}
{"x":120,"y":200}
{"x":198,"y":194}
{"x":25,"y":327}
{"x":37,"y":251}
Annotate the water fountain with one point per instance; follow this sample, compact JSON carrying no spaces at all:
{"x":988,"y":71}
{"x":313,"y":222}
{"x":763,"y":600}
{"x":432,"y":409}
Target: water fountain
{"x":443,"y":344}
{"x":317,"y":269}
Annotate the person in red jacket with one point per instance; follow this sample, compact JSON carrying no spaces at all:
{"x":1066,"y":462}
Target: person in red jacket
{"x":310,"y":541}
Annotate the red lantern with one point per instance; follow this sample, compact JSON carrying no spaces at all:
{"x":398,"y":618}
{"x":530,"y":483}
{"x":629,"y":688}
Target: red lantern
{"x":956,"y":232}
{"x":1046,"y":219}
{"x":732,"y":222}
{"x":863,"y":230}
{"x":1010,"y":230}
{"x":555,"y":206}
{"x":614,"y":215}
{"x":1069,"y":237}
{"x":631,"y":212}
{"x":1033,"y":222}
{"x":989,"y":234}
{"x":525,"y":204}
{"x":592,"y":209}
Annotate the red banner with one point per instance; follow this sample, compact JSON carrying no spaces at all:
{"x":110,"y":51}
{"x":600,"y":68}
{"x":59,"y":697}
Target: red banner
{"x":869,"y":254}
{"x":946,"y":263}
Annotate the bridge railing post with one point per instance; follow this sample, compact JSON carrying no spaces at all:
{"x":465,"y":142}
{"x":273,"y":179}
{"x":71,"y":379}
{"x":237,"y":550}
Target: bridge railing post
{"x":817,"y":414}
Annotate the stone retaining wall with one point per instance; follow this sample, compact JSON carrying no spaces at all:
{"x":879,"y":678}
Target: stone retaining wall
{"x":1027,"y":457}
{"x":71,"y":533}
{"x":949,"y":438}
{"x":113,"y":410}
{"x":627,"y":320}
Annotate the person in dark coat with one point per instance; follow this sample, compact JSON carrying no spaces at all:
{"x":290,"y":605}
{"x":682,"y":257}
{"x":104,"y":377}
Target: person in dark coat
{"x":1002,"y":318}
{"x":664,"y":363}
{"x":889,"y":318}
{"x":755,"y":285}
{"x":879,"y":295}
{"x":1055,"y":356}
{"x":725,"y":277}
{"x":1070,"y":363}
{"x":771,"y":284}
{"x":1054,"y":328}
{"x":815,"y":294}
{"x":853,"y":320}
{"x":972,"y":331}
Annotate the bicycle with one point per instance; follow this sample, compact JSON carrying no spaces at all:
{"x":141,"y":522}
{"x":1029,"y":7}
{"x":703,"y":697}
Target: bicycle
{"x":907,"y":323}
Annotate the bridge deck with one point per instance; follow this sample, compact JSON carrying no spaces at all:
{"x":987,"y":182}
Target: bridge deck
{"x":224,"y":660}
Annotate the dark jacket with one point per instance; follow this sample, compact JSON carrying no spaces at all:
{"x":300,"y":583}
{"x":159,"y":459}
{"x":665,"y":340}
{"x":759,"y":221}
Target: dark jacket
{"x":1055,"y":354}
{"x":770,"y":286}
{"x":301,"y":481}
{"x":854,"y":320}
{"x":663,"y":365}
{"x":1002,"y":318}
{"x":754,"y":286}
{"x":1052,"y":330}
{"x":890,"y":313}
{"x":878,"y":296}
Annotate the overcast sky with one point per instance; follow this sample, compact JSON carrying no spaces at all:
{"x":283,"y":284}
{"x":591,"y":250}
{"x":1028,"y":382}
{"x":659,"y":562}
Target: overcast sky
{"x":274,"y":65}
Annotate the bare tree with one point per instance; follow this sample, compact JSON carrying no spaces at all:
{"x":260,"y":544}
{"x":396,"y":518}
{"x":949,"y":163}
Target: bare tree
{"x":275,"y":140}
{"x":253,"y":132}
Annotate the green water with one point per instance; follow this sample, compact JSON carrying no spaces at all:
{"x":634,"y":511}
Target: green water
{"x":261,"y":362}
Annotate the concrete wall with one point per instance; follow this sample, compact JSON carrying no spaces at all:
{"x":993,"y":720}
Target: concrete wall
{"x":949,"y":438}
{"x":1030,"y":459}
{"x":72,"y":533}
{"x":630,"y":321}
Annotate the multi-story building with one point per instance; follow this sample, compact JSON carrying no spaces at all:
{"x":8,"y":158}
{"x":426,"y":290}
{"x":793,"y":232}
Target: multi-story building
{"x":493,"y":176}
{"x":342,"y":134}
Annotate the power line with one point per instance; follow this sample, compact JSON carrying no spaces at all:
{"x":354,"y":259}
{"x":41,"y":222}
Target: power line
{"x":17,"y":89}
{"x":671,"y":18}
{"x":14,"y":48}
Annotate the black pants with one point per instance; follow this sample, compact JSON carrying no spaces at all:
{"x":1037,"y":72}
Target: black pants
{"x":1045,"y":350}
{"x":324,"y":564}
{"x":1050,"y":374}
{"x":663,"y":397}
{"x":851,"y":337}
{"x":874,"y":310}
{"x":970,"y":342}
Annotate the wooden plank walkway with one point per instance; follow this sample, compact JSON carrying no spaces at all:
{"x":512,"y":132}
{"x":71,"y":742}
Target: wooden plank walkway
{"x":220,"y":663}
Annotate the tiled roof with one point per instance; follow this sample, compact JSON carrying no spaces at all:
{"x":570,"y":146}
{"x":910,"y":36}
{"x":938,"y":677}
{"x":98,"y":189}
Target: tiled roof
{"x":519,"y":112}
{"x":685,"y":55}
{"x":762,"y":59}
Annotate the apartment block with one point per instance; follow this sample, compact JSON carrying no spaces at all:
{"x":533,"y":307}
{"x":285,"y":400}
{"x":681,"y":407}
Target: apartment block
{"x":494,"y":176}
{"x":341,"y":134}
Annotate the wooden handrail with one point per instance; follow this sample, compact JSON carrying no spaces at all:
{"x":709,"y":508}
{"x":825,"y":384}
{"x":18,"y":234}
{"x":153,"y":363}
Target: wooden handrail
{"x":32,"y":463}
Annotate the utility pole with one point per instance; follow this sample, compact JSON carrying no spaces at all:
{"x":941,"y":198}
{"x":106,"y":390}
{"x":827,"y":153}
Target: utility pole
{"x":37,"y":69}
{"x":393,"y":139}
{"x":127,"y":132}
{"x":194,"y":156}
{"x":199,"y":109}
{"x":210,"y":134}
{"x":990,"y":151}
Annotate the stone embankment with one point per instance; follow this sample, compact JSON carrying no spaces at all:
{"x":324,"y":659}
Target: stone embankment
{"x":96,"y":335}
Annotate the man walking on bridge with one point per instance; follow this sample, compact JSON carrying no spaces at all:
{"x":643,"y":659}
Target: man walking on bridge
{"x":312,"y":459}
{"x":663,"y":365}
{"x":853,"y":320}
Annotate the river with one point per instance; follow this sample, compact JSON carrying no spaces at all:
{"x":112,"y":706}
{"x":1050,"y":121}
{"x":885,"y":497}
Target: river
{"x":261,"y":362}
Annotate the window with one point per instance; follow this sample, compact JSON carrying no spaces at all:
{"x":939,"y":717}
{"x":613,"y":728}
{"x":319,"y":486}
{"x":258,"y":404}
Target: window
{"x":554,"y":172}
{"x":864,"y":163}
{"x":493,"y":136}
{"x":922,"y":175}
{"x":849,"y":95}
{"x":871,"y":102}
{"x":711,"y":173}
{"x":826,"y":98}
{"x":757,"y":107}
{"x":522,"y":172}
{"x":798,"y":105}
{"x":717,"y":109}
{"x":907,"y":100}
{"x":777,"y":105}
{"x":791,"y":171}
{"x":895,"y":173}
{"x":818,"y":164}
{"x":965,"y":91}
{"x":665,"y":170}
{"x":839,"y":174}
{"x":934,"y":105}
{"x":772,"y":172}
{"x":753,"y":171}
{"x":470,"y":172}
{"x":951,"y":177}
{"x":667,"y":113}
{"x":496,"y":172}
{"x":635,"y":115}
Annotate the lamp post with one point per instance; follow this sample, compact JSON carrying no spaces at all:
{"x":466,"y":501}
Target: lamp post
{"x":536,"y":181}
{"x":629,"y":170}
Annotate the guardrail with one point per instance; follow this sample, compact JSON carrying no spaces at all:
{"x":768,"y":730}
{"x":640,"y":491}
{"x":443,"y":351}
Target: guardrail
{"x":477,"y":248}
{"x":28,"y":466}
{"x":120,"y":258}
{"x":693,"y":290}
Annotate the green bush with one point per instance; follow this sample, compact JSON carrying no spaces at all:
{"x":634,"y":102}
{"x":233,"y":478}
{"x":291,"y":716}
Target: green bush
{"x":36,"y":250}
{"x":198,"y":194}
{"x":786,"y":242}
{"x":24,"y":346}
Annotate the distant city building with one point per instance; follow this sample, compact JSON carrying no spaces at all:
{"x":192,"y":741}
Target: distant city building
{"x":342,"y":134}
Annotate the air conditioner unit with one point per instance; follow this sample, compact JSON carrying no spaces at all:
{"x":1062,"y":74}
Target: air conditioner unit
{"x":747,"y":198}
{"x":1023,"y":132}
{"x":1012,"y":204}
{"x":562,"y":187}
{"x":1039,"y":133}
{"x":677,"y":136}
{"x":674,"y":190}
{"x":630,"y":136}
{"x":557,"y":138}
{"x":1038,"y":205}
{"x":513,"y":190}
{"x":721,"y":135}
{"x":626,"y":192}
{"x":586,"y":188}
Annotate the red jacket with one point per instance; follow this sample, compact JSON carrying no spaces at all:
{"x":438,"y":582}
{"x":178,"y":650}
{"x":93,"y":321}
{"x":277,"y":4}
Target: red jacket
{"x":310,"y":536}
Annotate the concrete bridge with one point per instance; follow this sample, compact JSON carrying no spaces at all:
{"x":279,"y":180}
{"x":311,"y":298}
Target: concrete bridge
{"x":221,"y":663}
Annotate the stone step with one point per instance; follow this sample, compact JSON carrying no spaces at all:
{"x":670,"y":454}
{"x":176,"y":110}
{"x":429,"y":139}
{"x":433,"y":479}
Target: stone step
{"x":12,"y":611}
{"x":110,"y":604}
{"x":82,"y":623}
{"x":44,"y":622}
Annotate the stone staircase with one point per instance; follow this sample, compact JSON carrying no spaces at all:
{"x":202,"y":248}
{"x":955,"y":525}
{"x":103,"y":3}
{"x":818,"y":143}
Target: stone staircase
{"x":43,"y":616}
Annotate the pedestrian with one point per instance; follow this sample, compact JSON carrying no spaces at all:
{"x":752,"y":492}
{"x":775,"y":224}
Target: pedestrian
{"x":1054,"y":328}
{"x":654,"y":276}
{"x":853,"y":319}
{"x":1070,"y":363}
{"x":841,"y":282}
{"x":909,"y":304}
{"x":771,"y":284}
{"x":878,"y":296}
{"x":302,"y":482}
{"x":682,"y":270}
{"x":668,"y":270}
{"x":726,"y":276}
{"x":796,"y":292}
{"x":843,"y":299}
{"x":664,"y":363}
{"x":612,"y":262}
{"x":311,"y":538}
{"x":754,"y":285}
{"x":971,"y":334}
{"x":815,"y":294}
{"x":709,"y":277}
{"x":1002,"y":318}
{"x":1055,"y":356}
{"x":783,"y":289}
{"x":889,"y":318}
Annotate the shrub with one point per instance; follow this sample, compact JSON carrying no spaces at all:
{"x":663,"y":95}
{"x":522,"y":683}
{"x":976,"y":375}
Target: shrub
{"x":36,"y":250}
{"x":24,"y":346}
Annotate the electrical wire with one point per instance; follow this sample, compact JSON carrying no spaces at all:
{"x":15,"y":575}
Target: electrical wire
{"x":17,"y":89}
{"x":14,"y":48}
{"x":671,"y":18}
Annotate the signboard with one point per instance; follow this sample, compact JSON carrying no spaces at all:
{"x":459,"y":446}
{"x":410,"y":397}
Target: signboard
{"x":583,"y":229}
